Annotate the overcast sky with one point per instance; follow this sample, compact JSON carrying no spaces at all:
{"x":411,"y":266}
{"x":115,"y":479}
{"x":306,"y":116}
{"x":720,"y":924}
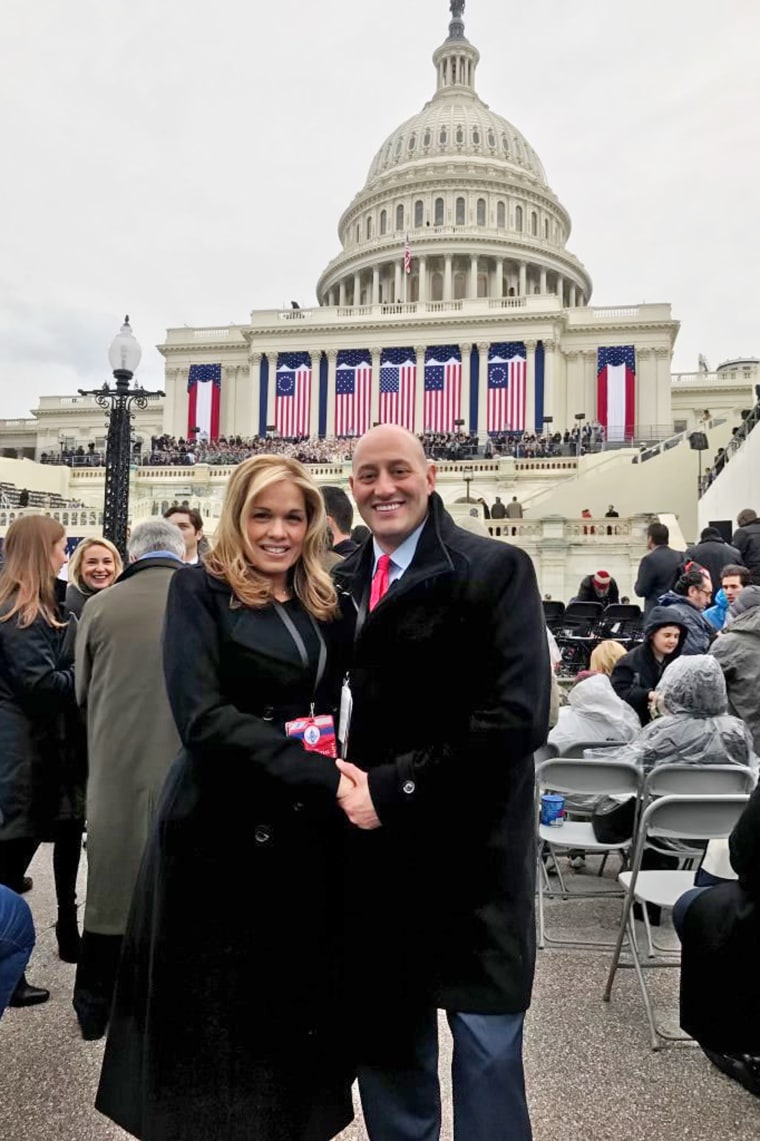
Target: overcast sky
{"x":188,"y":161}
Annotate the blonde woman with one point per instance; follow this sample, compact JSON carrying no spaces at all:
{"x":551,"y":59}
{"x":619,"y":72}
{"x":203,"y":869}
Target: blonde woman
{"x":94,"y":565}
{"x":41,"y":785}
{"x":227,"y":1017}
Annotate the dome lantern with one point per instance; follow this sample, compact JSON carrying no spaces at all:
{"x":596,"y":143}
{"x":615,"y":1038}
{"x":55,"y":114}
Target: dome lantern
{"x":456,"y":60}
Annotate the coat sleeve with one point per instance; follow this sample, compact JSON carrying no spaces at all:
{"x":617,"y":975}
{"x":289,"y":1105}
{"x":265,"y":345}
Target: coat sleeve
{"x":83,"y":657}
{"x":509,"y":717}
{"x":744,"y":846}
{"x":32,"y":667}
{"x":624,"y":681}
{"x":585,"y":593}
{"x":208,"y":724}
{"x":643,"y":587}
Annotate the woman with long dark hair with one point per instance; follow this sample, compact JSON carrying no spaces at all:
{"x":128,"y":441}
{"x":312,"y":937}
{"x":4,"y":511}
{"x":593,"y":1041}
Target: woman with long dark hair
{"x":41,"y":785}
{"x":227,"y":1016}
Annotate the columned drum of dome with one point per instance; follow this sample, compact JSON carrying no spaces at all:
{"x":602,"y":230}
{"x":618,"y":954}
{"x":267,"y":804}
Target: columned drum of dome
{"x":471,"y":194}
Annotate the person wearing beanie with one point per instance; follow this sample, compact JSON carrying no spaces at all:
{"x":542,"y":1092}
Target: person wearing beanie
{"x":738,"y":655}
{"x":600,"y":587}
{"x":713,"y":553}
{"x":746,"y":539}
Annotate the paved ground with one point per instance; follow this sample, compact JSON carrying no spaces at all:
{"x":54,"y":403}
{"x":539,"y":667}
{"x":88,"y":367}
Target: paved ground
{"x":590,"y":1071}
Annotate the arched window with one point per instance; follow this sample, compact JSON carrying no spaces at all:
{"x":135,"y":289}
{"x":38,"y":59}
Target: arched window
{"x":383,"y":221}
{"x":438,"y":212}
{"x":358,"y":234}
{"x":427,"y":138}
{"x":400,"y":216}
{"x":534,"y":223}
{"x":518,"y":218}
{"x":475,"y":137}
{"x":492,"y":140}
{"x":546,"y":229}
{"x":460,"y":136}
{"x":518,"y":150}
{"x":501,"y":215}
{"x":399,"y":145}
{"x":412,"y":142}
{"x":418,"y":213}
{"x":481,"y":214}
{"x":443,"y":136}
{"x":460,"y":215}
{"x":436,"y":286}
{"x":369,"y":227}
{"x":505,"y":144}
{"x":460,"y":286}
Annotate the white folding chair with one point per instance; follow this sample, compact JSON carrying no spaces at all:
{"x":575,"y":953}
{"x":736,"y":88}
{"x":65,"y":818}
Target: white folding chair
{"x":598,"y":778}
{"x":680,"y":779}
{"x":675,"y":818}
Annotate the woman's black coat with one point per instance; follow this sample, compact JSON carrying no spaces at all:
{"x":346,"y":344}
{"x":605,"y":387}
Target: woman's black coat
{"x":40,"y":781}
{"x":228,"y":1014}
{"x":720,"y":979}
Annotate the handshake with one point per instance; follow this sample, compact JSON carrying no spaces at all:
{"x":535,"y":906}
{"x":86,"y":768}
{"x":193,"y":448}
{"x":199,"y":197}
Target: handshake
{"x":354,"y":796}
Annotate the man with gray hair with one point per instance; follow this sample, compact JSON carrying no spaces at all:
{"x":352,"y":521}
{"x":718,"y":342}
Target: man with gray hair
{"x":132,"y":741}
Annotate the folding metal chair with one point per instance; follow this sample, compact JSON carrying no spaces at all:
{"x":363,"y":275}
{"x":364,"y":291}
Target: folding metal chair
{"x":599,"y":778}
{"x":709,"y":817}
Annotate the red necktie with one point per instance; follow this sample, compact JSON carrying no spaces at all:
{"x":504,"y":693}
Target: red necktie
{"x":380,"y":581}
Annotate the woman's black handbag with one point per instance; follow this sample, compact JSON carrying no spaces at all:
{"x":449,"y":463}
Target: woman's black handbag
{"x":612,"y":820}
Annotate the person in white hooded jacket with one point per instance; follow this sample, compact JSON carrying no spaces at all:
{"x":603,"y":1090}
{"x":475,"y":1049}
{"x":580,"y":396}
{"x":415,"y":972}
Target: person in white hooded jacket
{"x":594,"y":714}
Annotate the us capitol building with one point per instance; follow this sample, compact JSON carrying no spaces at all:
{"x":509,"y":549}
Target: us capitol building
{"x":454,"y":302}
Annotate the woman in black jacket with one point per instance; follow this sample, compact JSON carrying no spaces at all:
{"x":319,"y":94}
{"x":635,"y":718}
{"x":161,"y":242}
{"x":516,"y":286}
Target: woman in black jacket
{"x":636,"y":675}
{"x":41,"y":785}
{"x":94,"y":565}
{"x":227,"y":1015}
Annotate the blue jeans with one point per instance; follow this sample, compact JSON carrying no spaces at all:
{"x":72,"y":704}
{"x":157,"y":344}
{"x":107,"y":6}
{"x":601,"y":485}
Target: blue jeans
{"x":487,"y":1077}
{"x":16,"y":942}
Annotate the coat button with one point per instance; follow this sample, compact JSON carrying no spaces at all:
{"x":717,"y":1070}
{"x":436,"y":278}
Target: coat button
{"x":262,"y":835}
{"x":268,"y":713}
{"x":408,"y":787}
{"x":298,"y":806}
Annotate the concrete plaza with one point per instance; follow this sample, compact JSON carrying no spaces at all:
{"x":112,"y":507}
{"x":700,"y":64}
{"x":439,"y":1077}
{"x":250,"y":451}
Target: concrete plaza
{"x":590,"y":1071}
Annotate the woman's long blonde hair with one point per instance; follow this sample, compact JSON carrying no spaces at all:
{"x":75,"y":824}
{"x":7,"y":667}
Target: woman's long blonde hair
{"x":231,"y":558}
{"x":27,"y":578}
{"x":75,"y":562}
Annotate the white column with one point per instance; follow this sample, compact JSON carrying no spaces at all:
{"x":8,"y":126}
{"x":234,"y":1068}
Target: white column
{"x":572,"y":295}
{"x":448,"y":289}
{"x":523,"y":287}
{"x":473,"y":289}
{"x":227,"y":417}
{"x":499,"y":291}
{"x":332,"y":357}
{"x":482,"y":426}
{"x":374,"y":399}
{"x":419,"y":392}
{"x":342,"y":292}
{"x":248,"y":398}
{"x":664,"y":395}
{"x":398,"y":296}
{"x":542,"y":281}
{"x":560,"y":289}
{"x":375,"y":285}
{"x":423,"y":292}
{"x":564,"y":413}
{"x":316,"y":357}
{"x":272,"y":393}
{"x":171,"y":387}
{"x":530,"y":387}
{"x":357,"y":289}
{"x":550,"y":403}
{"x":464,"y":410}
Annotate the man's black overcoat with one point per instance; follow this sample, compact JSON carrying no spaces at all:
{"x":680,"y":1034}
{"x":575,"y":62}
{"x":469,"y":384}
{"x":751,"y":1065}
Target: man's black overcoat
{"x":450,"y":684}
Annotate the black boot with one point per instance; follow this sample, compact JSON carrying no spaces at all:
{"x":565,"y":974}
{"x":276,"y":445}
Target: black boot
{"x":27,"y":995}
{"x":67,"y":934}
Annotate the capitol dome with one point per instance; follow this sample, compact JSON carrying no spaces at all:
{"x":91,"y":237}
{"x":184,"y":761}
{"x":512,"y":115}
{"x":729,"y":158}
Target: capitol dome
{"x":470,"y":194}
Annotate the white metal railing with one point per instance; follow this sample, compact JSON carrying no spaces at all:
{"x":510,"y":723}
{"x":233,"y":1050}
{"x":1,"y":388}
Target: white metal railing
{"x":507,"y":303}
{"x":209,"y":334}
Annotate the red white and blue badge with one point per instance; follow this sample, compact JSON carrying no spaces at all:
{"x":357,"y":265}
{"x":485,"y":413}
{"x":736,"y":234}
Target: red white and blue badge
{"x":316,"y":734}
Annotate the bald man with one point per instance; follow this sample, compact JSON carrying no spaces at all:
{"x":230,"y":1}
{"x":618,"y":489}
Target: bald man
{"x":450,"y":688}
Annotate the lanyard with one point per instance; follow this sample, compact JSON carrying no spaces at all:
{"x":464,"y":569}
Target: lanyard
{"x":290,"y":626}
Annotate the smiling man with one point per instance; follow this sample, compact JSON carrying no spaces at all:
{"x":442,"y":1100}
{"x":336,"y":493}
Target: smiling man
{"x":450,"y":687}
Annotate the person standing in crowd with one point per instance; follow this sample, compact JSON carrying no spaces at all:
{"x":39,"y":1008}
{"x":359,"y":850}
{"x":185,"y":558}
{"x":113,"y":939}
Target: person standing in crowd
{"x":94,"y":565}
{"x":514,"y":509}
{"x":227,"y":1017}
{"x":687,"y":601}
{"x":118,"y":660}
{"x":600,"y":587}
{"x":733,"y":580}
{"x":611,"y":513}
{"x":190,"y":524}
{"x":498,"y":512}
{"x":637,"y":674}
{"x":16,"y":942}
{"x":659,"y":569}
{"x":746,"y":539}
{"x":737,"y":652}
{"x":340,"y":518}
{"x":713,"y":553}
{"x":441,"y":858}
{"x":41,"y":787}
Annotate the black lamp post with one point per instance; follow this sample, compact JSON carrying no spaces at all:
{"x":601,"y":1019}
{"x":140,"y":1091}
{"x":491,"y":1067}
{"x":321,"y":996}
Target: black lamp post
{"x":580,"y":417}
{"x":124,"y":357}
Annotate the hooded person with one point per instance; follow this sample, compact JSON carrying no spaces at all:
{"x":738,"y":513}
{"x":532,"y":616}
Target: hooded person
{"x":737,"y":652}
{"x":746,"y":539}
{"x":594,"y":713}
{"x":637,"y":674}
{"x":687,"y":601}
{"x":713,"y":553}
{"x":600,"y":587}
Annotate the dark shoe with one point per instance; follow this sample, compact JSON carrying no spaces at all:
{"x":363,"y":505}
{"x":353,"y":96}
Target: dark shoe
{"x":67,"y":934}
{"x":27,"y":995}
{"x":91,"y":1015}
{"x":27,"y":884}
{"x":743,"y":1068}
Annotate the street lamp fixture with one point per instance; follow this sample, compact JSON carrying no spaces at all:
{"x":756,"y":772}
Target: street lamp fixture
{"x":120,"y":401}
{"x":467,"y":472}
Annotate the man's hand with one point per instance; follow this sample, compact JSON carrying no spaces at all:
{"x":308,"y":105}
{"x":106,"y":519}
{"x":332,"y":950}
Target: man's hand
{"x":357,"y":802}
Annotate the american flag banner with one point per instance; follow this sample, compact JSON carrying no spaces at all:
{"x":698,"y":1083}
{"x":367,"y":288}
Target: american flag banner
{"x":443,"y":388}
{"x":398,"y":384}
{"x":353,"y":387}
{"x":292,"y":404}
{"x":507,"y":385}
{"x":204,"y":391}
{"x":616,"y":390}
{"x":407,"y":256}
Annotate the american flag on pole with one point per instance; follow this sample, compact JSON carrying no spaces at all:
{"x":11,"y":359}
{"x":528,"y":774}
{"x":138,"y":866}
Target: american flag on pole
{"x":407,"y":256}
{"x":398,"y":384}
{"x":353,"y":386}
{"x":616,"y":391}
{"x":443,"y":388}
{"x":292,"y":405}
{"x":507,"y":385}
